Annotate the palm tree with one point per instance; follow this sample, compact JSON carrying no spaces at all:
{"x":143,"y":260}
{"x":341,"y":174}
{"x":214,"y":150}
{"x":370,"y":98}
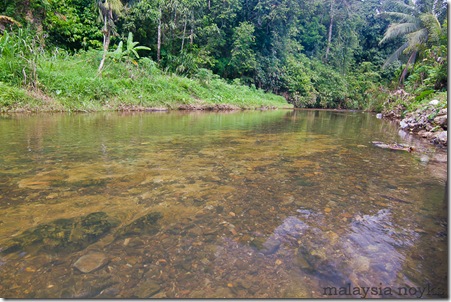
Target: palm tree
{"x":108,"y":9}
{"x":418,"y":29}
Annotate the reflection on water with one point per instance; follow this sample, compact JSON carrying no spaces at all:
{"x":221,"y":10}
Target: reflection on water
{"x":241,"y":204}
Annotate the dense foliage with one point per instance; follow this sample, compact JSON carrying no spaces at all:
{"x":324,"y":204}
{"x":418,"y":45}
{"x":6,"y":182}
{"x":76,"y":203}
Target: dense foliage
{"x":330,"y":54}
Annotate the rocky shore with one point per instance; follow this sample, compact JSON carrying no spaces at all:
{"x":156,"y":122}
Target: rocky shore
{"x":429,"y":122}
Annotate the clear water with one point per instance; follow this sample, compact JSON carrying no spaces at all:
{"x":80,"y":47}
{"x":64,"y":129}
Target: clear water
{"x":234,"y":204}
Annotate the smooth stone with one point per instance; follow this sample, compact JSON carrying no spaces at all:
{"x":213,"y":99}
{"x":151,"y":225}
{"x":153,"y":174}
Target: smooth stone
{"x":296,"y":292}
{"x":222,"y":292}
{"x":93,"y":288}
{"x":196,"y":231}
{"x":302,"y":262}
{"x":434,"y":102}
{"x":442,"y":137}
{"x":147,"y":289}
{"x":91,"y":262}
{"x":441,"y":120}
{"x":253,"y":212}
{"x":161,"y":295}
{"x":403,"y":124}
{"x":271,"y":246}
{"x":245,"y":283}
{"x":424,"y":158}
{"x":332,"y":204}
{"x":258,"y":243}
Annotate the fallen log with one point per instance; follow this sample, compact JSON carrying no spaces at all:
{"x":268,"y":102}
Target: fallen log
{"x":396,"y":146}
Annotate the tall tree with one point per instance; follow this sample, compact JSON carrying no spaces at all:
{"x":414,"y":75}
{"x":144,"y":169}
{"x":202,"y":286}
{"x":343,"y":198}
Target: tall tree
{"x":416,"y":26}
{"x":243,"y":57}
{"x":331,"y":25}
{"x":108,"y":10}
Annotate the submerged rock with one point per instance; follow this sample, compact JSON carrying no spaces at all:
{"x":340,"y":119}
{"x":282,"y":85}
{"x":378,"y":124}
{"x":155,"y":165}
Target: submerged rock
{"x":266,"y":246}
{"x":147,"y":224}
{"x":258,"y":243}
{"x":91,"y":262}
{"x":147,"y":288}
{"x":317,"y":256}
{"x":86,"y":288}
{"x":64,"y":234}
{"x":271,"y":246}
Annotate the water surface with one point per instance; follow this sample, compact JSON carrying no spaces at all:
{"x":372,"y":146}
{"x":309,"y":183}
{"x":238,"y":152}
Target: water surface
{"x":239,"y":205}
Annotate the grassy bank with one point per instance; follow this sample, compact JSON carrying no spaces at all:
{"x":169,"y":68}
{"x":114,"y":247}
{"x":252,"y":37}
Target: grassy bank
{"x":63,"y":82}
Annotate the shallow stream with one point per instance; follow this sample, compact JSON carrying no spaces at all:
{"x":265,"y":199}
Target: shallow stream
{"x":275,"y":204}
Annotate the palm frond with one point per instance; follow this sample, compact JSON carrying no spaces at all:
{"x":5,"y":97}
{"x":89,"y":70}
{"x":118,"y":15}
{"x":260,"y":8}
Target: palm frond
{"x":401,"y":6}
{"x":115,"y":6}
{"x":6,"y":20}
{"x":108,"y":8}
{"x":416,"y":39}
{"x":399,"y":29}
{"x":430,"y":20}
{"x":395,"y":56}
{"x":433,"y":26}
{"x":402,"y":17}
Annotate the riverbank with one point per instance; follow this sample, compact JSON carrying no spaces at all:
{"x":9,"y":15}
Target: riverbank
{"x":19,"y":100}
{"x":66,"y":83}
{"x":426,"y":119}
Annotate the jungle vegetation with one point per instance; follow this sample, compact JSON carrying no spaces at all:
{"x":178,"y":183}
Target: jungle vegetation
{"x":91,"y":54}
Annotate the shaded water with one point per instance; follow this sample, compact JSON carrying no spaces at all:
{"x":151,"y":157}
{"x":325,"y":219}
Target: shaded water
{"x":240,"y":204}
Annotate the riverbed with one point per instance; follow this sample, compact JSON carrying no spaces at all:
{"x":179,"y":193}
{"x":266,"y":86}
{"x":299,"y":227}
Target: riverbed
{"x":241,"y":204}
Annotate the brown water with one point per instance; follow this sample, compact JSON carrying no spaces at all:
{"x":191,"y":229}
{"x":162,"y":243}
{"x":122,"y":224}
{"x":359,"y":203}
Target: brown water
{"x":242,"y":204}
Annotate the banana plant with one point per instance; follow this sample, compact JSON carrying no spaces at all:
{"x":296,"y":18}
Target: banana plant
{"x":131,"y":51}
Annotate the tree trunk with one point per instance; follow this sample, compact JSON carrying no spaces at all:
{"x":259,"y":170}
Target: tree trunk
{"x":183,"y":37}
{"x":329,"y":38}
{"x":191,"y":32}
{"x":404,"y":72}
{"x":106,"y":42}
{"x":159,"y":38}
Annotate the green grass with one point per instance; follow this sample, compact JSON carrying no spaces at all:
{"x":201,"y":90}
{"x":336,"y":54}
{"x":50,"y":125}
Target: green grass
{"x":71,"y":83}
{"x":15,"y":98}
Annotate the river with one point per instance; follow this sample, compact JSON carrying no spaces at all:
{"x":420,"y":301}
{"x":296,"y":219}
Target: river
{"x":252,"y":204}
